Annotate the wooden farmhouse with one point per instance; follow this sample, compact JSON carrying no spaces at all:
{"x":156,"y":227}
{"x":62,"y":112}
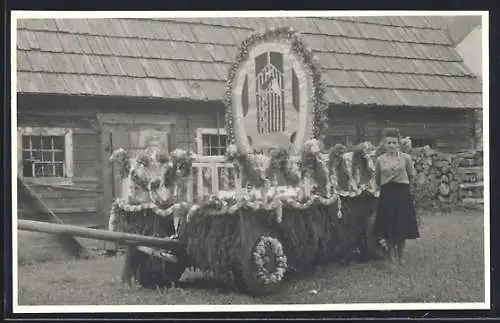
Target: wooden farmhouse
{"x":88,"y":86}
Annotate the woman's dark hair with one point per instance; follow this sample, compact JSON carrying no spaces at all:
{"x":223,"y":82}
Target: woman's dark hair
{"x":391,"y":132}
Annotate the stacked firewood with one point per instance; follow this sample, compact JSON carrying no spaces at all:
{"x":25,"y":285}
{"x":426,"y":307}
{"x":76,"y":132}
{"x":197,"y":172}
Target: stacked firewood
{"x":470,"y":175}
{"x":443,"y":180}
{"x":434,"y":180}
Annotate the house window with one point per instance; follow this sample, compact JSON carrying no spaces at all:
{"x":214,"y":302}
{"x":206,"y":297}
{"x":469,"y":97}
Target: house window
{"x":211,"y":142}
{"x":422,"y":142}
{"x":45,"y":154}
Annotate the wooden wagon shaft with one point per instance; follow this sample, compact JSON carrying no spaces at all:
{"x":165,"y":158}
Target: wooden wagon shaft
{"x":120,"y":237}
{"x":27,"y":197}
{"x":158,"y":253}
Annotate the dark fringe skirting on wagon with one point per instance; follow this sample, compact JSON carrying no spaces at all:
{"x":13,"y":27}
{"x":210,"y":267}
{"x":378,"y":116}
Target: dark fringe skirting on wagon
{"x":396,"y":218}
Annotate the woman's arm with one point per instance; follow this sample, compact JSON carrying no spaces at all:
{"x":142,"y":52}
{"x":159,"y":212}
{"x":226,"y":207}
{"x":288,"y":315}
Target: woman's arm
{"x":377,"y":172}
{"x":410,"y":169}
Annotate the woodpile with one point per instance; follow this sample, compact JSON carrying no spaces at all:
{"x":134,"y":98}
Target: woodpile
{"x":443,"y":180}
{"x":471,"y":178}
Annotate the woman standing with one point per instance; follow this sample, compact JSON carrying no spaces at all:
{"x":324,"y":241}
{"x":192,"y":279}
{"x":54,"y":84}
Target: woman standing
{"x":396,"y":219}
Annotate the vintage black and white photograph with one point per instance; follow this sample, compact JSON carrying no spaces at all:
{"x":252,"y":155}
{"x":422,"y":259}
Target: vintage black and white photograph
{"x":250,"y":161}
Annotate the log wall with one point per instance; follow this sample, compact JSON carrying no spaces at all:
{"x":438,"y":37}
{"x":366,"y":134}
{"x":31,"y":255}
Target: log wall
{"x":452,"y":130}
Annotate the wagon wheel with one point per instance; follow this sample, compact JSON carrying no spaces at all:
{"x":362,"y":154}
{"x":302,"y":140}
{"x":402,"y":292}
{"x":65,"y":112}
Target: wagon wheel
{"x":263,"y":267}
{"x":374,"y":251}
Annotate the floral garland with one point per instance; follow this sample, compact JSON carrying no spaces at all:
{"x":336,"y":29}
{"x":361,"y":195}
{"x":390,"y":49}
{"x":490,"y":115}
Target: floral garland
{"x":361,"y":162}
{"x":299,"y":47}
{"x":216,"y":206}
{"x":122,"y":157}
{"x":261,"y":259}
{"x":123,"y":205}
{"x":331,"y":172}
{"x":338,"y":168}
{"x":282,"y":163}
{"x":254,"y":166}
{"x":116,"y":223}
{"x":177,"y":166}
{"x":152,"y":171}
{"x":313,"y":164}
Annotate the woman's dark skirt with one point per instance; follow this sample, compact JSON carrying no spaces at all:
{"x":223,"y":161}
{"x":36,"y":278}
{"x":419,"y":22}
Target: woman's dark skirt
{"x":396,"y":218}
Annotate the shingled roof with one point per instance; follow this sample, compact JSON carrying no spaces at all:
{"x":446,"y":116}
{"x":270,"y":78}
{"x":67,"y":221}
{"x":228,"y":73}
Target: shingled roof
{"x":390,"y":61}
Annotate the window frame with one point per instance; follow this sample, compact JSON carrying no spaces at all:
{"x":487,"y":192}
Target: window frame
{"x":207,"y":131}
{"x":67,"y":133}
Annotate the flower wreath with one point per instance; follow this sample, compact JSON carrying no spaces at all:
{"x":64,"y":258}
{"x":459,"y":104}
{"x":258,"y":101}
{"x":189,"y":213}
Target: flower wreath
{"x":261,"y":259}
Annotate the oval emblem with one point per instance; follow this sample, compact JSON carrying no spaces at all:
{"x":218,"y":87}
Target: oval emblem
{"x":271,"y":94}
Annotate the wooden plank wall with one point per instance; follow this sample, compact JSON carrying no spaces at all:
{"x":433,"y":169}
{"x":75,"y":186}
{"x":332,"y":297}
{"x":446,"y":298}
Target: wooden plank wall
{"x":82,"y":198}
{"x":342,"y":122}
{"x":187,"y":124}
{"x":79,"y":202}
{"x":451,"y":128}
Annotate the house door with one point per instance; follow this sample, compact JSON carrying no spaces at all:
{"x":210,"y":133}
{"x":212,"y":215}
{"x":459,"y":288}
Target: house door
{"x":133,"y":138}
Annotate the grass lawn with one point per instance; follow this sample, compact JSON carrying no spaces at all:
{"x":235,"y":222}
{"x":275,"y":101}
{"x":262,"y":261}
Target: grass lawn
{"x":445,"y":265}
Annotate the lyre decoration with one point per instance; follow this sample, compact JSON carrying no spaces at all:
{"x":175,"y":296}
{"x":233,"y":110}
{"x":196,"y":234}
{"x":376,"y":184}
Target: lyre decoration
{"x":270,"y":93}
{"x":274,"y":94}
{"x":275,"y":114}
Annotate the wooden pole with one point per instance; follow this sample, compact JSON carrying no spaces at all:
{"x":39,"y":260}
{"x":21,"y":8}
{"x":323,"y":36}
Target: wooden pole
{"x":121,"y":237}
{"x":159,"y":254}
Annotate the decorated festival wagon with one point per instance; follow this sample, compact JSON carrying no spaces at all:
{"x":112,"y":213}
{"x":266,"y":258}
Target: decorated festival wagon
{"x":290,"y":205}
